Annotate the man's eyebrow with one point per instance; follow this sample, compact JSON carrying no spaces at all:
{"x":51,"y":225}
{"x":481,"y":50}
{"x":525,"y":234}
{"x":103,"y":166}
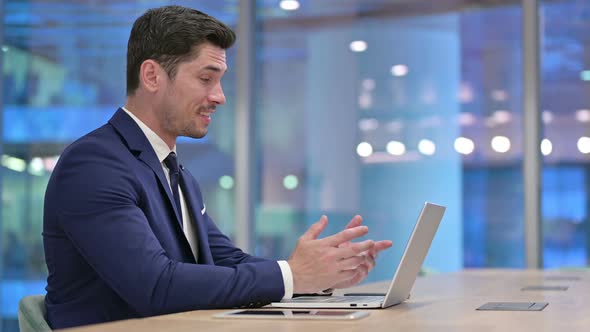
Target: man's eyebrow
{"x":212,"y":68}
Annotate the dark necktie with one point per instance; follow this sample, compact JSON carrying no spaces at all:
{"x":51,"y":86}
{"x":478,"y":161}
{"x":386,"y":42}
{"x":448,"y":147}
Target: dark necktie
{"x":172,"y":165}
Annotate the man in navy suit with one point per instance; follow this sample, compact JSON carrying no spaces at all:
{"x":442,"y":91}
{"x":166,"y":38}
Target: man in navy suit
{"x":126,"y":232}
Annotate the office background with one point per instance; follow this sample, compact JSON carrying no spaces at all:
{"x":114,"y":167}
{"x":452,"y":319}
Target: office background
{"x":368,"y":107}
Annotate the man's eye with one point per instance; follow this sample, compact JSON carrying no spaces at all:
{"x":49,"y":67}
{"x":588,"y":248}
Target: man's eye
{"x":206,"y":79}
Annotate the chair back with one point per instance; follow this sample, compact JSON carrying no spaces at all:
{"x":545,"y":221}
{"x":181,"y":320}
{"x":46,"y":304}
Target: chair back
{"x":32,"y":313}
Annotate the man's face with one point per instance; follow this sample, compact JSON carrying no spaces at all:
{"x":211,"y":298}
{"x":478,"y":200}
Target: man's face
{"x":190,"y":99}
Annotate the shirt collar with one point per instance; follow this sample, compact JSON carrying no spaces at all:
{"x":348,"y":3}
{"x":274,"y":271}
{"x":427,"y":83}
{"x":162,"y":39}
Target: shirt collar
{"x":160,"y":147}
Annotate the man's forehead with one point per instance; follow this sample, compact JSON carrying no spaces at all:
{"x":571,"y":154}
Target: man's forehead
{"x":211,"y":57}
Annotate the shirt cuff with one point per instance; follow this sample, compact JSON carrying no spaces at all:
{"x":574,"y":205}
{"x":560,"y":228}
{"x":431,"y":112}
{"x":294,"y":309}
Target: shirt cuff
{"x":287,"y":279}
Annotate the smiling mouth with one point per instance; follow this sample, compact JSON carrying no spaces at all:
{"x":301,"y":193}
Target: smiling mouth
{"x":206,"y":110}
{"x":205,"y":117}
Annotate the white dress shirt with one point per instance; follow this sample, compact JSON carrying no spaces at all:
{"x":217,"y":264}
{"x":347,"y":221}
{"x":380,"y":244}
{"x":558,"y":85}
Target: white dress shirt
{"x":162,"y":151}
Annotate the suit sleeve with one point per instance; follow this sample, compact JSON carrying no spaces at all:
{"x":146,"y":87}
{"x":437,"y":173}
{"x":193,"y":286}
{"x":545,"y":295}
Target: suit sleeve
{"x":98,"y":203}
{"x":224,"y":252}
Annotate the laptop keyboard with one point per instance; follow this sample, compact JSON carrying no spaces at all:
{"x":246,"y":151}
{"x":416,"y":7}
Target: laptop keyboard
{"x":338,"y":299}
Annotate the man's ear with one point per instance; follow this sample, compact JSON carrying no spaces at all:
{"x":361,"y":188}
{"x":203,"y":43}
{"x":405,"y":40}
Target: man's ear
{"x":150,"y":75}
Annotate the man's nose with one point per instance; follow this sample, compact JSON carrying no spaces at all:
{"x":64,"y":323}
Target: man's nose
{"x":217,"y":95}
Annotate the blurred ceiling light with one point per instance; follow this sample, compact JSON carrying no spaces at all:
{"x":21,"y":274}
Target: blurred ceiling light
{"x":4,"y":49}
{"x":368,"y":84}
{"x":394,"y":126}
{"x":547,"y":116}
{"x":289,"y":4}
{"x":13,"y":163}
{"x":546,"y":147}
{"x":466,"y":119}
{"x":358,"y":46}
{"x":364,"y":149}
{"x":584,"y":144}
{"x":502,"y":116}
{"x":583,"y":115}
{"x":465,"y":93}
{"x":490,"y":122}
{"x":226,"y":182}
{"x":426,"y":147}
{"x":500,"y":144}
{"x":395,"y":148}
{"x":585,"y":75}
{"x":499,"y":95}
{"x":464,"y":145}
{"x":399,"y":70}
{"x":368,"y":124}
{"x":365,"y":100}
{"x":290,"y":182}
{"x":36,"y":166}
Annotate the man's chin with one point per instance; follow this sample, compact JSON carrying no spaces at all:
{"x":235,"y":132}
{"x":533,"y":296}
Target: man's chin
{"x":197,"y":135}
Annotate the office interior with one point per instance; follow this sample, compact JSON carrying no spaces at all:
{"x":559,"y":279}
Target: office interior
{"x":336,"y":107}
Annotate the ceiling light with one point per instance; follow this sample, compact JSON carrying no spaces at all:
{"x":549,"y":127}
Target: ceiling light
{"x":465,"y":93}
{"x":500,"y":144}
{"x":364,"y":149}
{"x":396,"y":148}
{"x":502,"y":116}
{"x":358,"y":46}
{"x":426,"y":147}
{"x":583,"y":115}
{"x":399,"y":70}
{"x":466,"y":119}
{"x":464,"y":145}
{"x":547,"y":116}
{"x":546,"y":147}
{"x":368,"y":124}
{"x":584,"y":144}
{"x":290,"y":182}
{"x":289,"y":5}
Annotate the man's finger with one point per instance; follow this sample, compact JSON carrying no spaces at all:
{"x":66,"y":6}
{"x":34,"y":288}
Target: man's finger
{"x":316,"y":229}
{"x":382,"y":245}
{"x":354,"y":222}
{"x":351,"y":263}
{"x":355,"y":249}
{"x":346,"y":235}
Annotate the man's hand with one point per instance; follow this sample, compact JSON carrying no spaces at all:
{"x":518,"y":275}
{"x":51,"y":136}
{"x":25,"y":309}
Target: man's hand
{"x":319,"y":264}
{"x":369,"y":257}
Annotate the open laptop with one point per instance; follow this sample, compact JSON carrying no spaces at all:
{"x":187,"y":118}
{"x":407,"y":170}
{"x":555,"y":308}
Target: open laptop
{"x":403,"y":280}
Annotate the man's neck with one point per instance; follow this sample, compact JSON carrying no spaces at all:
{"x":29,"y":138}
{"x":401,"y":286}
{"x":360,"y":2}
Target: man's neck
{"x":146,"y":114}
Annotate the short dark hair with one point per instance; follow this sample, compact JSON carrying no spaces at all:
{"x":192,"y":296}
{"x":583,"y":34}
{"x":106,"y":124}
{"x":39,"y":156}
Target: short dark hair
{"x":170,"y":35}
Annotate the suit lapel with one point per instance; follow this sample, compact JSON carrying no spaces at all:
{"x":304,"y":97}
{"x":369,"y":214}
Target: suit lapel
{"x":140,"y":145}
{"x":197,"y":211}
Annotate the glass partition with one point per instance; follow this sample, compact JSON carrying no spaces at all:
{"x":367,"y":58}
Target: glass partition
{"x":566,"y":118}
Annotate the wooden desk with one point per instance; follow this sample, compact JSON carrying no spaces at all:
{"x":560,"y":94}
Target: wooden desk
{"x":445,"y":302}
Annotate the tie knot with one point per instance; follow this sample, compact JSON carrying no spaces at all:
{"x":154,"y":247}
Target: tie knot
{"x":171,"y":162}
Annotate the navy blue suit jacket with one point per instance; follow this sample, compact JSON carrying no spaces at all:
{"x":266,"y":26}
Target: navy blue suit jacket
{"x":114,"y":246}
